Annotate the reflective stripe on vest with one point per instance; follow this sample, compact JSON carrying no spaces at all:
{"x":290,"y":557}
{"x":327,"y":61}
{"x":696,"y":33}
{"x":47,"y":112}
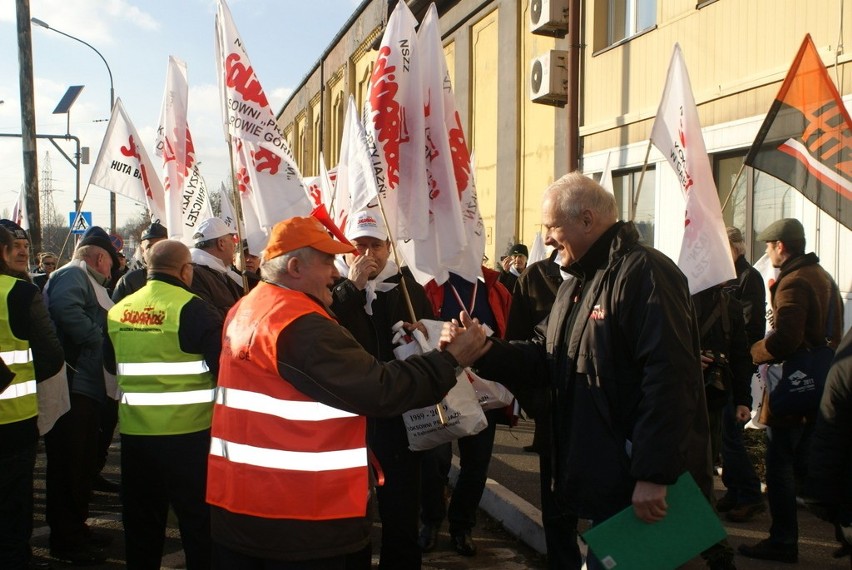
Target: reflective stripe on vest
{"x":164,"y":390}
{"x":16,"y":356}
{"x":289,"y":460}
{"x":19,"y":401}
{"x":167,"y":398}
{"x":162,"y":368}
{"x":19,"y":390}
{"x":286,"y":409}
{"x":276,"y":452}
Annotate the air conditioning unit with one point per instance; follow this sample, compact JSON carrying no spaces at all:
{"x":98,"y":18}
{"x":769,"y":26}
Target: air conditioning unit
{"x":549,"y":17}
{"x":549,"y":78}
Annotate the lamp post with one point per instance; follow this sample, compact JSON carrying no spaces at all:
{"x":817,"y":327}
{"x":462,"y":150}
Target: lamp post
{"x":44,"y":25}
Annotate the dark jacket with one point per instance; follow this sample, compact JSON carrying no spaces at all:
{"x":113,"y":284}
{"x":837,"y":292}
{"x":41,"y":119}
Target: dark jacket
{"x":749,"y":290}
{"x":80,"y":324}
{"x":723,"y":337}
{"x":323,"y":360}
{"x":129,"y":283}
{"x":830,"y":463}
{"x":508,"y":280}
{"x":625,"y":379}
{"x":216,"y":288}
{"x":374,"y":334}
{"x":29,"y":320}
{"x":802,"y":297}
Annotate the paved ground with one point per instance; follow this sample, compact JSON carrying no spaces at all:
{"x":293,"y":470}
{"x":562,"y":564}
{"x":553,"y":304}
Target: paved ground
{"x":512,"y":499}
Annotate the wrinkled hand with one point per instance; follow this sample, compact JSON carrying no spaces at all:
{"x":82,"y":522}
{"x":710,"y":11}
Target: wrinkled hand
{"x":705,"y":362}
{"x":466,"y":341}
{"x":743,"y":414}
{"x":506,"y":262}
{"x":649,"y":501}
{"x":360,"y":270}
{"x":411,"y":327}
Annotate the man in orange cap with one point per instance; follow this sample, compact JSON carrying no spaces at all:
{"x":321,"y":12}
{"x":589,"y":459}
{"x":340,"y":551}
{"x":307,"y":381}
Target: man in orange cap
{"x":288,"y":479}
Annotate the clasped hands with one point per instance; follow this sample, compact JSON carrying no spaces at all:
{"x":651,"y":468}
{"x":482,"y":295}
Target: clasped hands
{"x":465,"y":339}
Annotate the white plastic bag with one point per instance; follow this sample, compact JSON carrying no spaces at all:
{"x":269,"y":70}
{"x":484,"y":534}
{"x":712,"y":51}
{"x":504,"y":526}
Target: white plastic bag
{"x":462,"y":414}
{"x":491,"y":395}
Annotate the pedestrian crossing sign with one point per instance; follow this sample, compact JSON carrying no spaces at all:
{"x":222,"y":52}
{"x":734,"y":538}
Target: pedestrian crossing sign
{"x":79,"y":224}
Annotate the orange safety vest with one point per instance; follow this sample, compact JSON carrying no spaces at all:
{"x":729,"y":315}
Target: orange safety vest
{"x":275,"y":452}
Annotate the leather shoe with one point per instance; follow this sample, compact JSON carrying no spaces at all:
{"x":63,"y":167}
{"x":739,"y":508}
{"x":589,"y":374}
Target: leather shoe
{"x":83,"y":555}
{"x":428,"y":538}
{"x":726,"y":503}
{"x":744,"y":513}
{"x":766,"y":550}
{"x":104,"y":485}
{"x":463,"y":543}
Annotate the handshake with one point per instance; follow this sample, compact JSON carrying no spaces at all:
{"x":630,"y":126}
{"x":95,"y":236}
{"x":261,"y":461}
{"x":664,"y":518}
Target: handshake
{"x":465,"y":339}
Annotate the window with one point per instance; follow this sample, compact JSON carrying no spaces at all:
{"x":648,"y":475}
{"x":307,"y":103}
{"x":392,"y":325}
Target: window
{"x":625,"y":186}
{"x":736,"y":210}
{"x":626,"y":18}
{"x":773,"y":200}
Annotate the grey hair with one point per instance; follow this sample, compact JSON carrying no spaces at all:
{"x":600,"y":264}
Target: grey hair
{"x":87,"y":251}
{"x":272,"y":269}
{"x":575,"y":192}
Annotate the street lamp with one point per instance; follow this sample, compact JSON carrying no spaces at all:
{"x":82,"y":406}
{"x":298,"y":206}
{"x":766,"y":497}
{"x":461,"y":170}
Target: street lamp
{"x":44,"y":25}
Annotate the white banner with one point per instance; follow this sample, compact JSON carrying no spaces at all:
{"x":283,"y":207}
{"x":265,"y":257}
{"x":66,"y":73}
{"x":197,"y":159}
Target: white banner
{"x":705,"y":255}
{"x":277,"y":184}
{"x":186,"y":196}
{"x":123,"y":166}
{"x":356,"y":183}
{"x":393,"y":121}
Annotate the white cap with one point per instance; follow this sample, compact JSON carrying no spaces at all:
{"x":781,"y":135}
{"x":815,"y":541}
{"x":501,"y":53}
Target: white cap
{"x":211,"y":228}
{"x":366,"y":223}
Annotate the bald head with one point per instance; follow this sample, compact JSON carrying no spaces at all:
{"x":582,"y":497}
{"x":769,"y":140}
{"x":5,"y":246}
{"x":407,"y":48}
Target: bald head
{"x":172,"y":258}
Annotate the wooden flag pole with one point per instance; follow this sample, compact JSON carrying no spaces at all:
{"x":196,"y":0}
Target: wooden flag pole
{"x":639,"y":186}
{"x":238,"y":213}
{"x":733,"y":186}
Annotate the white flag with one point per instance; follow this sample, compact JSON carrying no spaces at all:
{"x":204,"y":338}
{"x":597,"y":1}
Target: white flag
{"x":769,"y":275}
{"x":123,"y":166}
{"x":427,"y":258}
{"x":393,"y":120}
{"x":606,"y":175}
{"x":226,"y":209}
{"x":253,"y":230}
{"x":278,"y":191}
{"x":356,"y":186}
{"x":171,"y":144}
{"x":705,"y":256}
{"x":19,"y":211}
{"x":538,"y":251}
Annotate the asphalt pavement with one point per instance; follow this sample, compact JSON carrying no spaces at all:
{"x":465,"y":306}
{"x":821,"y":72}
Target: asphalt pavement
{"x":508,"y":534}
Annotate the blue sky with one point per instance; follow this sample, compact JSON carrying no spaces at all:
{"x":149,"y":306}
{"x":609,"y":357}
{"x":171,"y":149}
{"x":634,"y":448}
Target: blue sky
{"x":284,"y":39}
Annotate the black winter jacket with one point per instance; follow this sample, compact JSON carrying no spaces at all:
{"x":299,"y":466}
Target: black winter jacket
{"x":626,"y":380}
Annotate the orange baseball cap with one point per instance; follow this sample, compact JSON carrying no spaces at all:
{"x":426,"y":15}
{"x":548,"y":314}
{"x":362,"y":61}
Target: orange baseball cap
{"x":295,"y":233}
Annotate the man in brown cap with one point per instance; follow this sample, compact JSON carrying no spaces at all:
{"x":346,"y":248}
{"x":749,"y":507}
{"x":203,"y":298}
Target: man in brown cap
{"x":807,"y":312}
{"x":288,"y":477}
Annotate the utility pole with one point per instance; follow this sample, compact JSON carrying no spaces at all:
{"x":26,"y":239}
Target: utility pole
{"x":28,"y":124}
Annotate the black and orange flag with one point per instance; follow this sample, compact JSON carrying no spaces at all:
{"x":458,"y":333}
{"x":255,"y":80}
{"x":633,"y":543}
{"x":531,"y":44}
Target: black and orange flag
{"x":806,"y":138}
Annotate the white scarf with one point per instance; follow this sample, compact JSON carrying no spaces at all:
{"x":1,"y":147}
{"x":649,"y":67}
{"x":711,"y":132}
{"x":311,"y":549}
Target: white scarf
{"x":373,"y":285}
{"x":201,"y":257}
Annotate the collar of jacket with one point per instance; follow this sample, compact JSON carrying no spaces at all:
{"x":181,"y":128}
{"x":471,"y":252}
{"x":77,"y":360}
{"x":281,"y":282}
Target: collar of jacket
{"x":599,"y":254}
{"x":797,"y":262}
{"x":170,"y":279}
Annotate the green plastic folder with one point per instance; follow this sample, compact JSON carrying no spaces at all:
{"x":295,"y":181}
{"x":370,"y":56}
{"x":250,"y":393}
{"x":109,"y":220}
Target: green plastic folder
{"x":690,"y":526}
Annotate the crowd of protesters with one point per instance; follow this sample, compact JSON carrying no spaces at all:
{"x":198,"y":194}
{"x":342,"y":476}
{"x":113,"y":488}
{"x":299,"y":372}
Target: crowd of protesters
{"x":264,"y":406}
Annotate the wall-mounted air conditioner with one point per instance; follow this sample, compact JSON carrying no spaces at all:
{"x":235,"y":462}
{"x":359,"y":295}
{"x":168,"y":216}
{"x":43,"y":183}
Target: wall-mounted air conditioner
{"x":549,"y":17}
{"x":549,"y":78}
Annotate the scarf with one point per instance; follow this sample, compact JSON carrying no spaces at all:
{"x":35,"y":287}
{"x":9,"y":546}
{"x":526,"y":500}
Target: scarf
{"x":201,"y":257}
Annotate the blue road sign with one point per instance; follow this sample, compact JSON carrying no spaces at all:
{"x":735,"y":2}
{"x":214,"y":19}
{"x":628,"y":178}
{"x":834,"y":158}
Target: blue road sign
{"x":81,"y":224}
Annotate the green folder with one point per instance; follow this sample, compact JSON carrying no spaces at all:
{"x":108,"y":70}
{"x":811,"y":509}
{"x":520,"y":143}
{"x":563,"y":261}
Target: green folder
{"x":690,"y":526}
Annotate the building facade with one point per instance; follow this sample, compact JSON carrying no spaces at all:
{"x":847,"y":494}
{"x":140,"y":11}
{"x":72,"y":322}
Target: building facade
{"x":503,"y":67}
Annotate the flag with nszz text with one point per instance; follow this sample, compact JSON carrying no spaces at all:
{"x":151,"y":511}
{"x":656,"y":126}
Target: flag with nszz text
{"x":806,"y":138}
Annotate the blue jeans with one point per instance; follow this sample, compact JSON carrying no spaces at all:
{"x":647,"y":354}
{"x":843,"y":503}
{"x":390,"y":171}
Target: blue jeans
{"x":738,"y":474}
{"x":16,"y":506}
{"x":786,"y":462}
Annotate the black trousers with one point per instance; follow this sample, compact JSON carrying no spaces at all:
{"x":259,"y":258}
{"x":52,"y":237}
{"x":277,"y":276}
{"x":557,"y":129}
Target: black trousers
{"x":399,"y":497}
{"x":16,"y":506}
{"x":227,"y":559}
{"x":72,"y":448}
{"x":156,"y":471}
